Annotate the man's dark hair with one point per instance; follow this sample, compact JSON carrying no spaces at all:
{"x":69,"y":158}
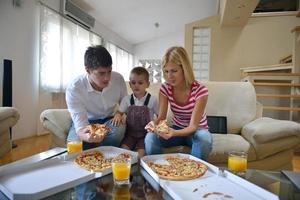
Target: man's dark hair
{"x":140,"y":71}
{"x":96,"y":56}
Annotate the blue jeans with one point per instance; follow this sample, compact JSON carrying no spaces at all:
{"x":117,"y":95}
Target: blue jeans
{"x":200,"y":143}
{"x":113,"y":138}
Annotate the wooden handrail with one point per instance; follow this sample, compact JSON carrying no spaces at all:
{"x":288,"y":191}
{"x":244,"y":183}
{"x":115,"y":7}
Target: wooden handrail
{"x":297,"y":28}
{"x":279,"y":66}
{"x":279,"y":95}
{"x":281,"y":108}
{"x":272,"y":74}
{"x":277,"y":84}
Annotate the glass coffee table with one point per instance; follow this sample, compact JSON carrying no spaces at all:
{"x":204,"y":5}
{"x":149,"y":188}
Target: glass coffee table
{"x":143,"y":186}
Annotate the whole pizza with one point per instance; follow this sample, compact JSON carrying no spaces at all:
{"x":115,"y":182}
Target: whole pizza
{"x":95,"y":160}
{"x":178,"y":168}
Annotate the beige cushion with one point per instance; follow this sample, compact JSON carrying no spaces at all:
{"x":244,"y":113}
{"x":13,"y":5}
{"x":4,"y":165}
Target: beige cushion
{"x":275,"y":146}
{"x":235,"y":100}
{"x":266,"y":129}
{"x":224,"y":143}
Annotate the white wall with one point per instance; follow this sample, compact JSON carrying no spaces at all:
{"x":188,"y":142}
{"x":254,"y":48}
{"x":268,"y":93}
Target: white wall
{"x":155,"y":49}
{"x":19,"y":41}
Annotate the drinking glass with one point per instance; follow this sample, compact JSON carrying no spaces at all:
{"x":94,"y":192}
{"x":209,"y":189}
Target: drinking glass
{"x":237,"y":162}
{"x":121,"y":171}
{"x":74,"y":146}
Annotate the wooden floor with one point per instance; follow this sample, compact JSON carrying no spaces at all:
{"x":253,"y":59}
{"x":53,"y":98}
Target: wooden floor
{"x":30,"y":146}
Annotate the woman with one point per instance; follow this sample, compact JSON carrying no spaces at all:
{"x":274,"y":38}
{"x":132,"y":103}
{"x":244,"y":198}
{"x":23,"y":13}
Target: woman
{"x":187,"y":98}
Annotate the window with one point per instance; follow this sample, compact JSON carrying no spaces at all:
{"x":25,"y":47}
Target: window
{"x":122,"y":60}
{"x":62,"y":47}
{"x":201,"y":49}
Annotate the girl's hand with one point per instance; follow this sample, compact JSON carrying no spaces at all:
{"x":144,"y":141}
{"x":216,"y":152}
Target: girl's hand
{"x":150,"y":126}
{"x":117,"y":120}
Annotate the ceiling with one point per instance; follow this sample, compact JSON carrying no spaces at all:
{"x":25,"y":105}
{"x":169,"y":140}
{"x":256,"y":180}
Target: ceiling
{"x":134,"y":20}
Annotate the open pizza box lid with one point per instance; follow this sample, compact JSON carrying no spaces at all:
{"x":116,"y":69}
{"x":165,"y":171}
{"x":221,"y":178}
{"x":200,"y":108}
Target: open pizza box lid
{"x":214,"y":184}
{"x":47,"y":177}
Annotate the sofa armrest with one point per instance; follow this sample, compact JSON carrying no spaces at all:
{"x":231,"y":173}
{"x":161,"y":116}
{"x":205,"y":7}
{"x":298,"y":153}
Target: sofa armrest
{"x":7,"y":112}
{"x":58,"y":121}
{"x":9,"y":116}
{"x":265,"y":129}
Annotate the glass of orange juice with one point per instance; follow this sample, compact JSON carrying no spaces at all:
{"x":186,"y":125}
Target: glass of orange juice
{"x":237,"y":162}
{"x":74,"y":146}
{"x":121,"y":171}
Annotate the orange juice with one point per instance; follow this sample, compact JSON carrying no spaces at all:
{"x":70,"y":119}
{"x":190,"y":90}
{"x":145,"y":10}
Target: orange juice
{"x":121,"y":171}
{"x":237,"y":164}
{"x":74,"y":146}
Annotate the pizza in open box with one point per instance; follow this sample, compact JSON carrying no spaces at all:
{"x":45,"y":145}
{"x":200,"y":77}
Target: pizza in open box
{"x":178,"y":168}
{"x":95,"y":160}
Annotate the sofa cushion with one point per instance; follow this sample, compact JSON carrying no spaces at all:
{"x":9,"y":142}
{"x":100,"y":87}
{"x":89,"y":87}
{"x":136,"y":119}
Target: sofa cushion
{"x":266,"y":129}
{"x":264,"y":150}
{"x":235,"y":100}
{"x":223,"y":144}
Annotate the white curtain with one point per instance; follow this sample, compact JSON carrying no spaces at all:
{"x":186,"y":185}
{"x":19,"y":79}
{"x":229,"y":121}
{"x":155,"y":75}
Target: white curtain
{"x":122,"y":60}
{"x":62,"y":48}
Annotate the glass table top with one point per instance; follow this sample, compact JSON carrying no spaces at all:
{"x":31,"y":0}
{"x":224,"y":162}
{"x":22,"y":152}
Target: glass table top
{"x":143,"y":186}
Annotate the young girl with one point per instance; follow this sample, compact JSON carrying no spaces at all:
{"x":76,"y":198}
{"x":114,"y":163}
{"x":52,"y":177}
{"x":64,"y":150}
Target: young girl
{"x":140,"y":108}
{"x":187,"y":98}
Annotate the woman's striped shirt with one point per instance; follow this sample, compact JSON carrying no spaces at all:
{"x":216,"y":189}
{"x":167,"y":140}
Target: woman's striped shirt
{"x":182,"y":113}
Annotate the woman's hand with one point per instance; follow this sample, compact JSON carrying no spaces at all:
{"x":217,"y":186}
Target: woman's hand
{"x":150,"y":126}
{"x":166,"y":135}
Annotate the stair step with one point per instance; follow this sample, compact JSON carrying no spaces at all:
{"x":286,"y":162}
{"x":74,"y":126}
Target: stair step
{"x":279,"y":95}
{"x":277,"y":84}
{"x":281,"y":108}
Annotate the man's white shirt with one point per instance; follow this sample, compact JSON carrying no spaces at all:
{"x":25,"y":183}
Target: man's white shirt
{"x":85,"y":103}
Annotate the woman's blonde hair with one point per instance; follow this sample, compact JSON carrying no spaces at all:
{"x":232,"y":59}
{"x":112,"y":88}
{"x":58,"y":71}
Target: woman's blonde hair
{"x":179,"y":56}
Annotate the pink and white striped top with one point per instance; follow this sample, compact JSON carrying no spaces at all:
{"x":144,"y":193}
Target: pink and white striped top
{"x":182,"y":113}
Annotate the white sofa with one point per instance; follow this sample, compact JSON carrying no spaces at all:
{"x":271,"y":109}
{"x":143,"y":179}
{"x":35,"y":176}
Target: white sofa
{"x":270,"y":143}
{"x":8,"y":118}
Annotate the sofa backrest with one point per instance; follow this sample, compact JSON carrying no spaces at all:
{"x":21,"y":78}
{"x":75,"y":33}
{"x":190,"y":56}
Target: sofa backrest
{"x":235,"y":100}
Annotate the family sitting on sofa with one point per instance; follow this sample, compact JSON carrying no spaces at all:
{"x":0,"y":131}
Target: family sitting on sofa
{"x":92,"y":98}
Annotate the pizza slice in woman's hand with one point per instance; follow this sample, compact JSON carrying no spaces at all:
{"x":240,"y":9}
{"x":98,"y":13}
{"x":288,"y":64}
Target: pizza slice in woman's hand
{"x":99,"y":129}
{"x":162,"y":126}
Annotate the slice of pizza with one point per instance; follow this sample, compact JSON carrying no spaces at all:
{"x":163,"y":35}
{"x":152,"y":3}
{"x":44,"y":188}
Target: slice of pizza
{"x":162,"y":126}
{"x":99,"y":129}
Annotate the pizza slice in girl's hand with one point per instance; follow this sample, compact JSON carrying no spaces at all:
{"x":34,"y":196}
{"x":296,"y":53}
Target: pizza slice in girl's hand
{"x":99,"y":129}
{"x":162,"y":126}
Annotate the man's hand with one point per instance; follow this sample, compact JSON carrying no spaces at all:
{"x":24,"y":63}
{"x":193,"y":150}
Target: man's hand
{"x":85,"y":134}
{"x":117,"y":120}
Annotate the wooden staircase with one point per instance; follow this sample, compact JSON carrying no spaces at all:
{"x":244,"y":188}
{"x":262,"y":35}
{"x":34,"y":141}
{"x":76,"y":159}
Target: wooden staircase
{"x":282,"y":79}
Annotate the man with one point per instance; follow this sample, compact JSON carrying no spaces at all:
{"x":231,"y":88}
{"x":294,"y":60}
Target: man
{"x":92,"y":98}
